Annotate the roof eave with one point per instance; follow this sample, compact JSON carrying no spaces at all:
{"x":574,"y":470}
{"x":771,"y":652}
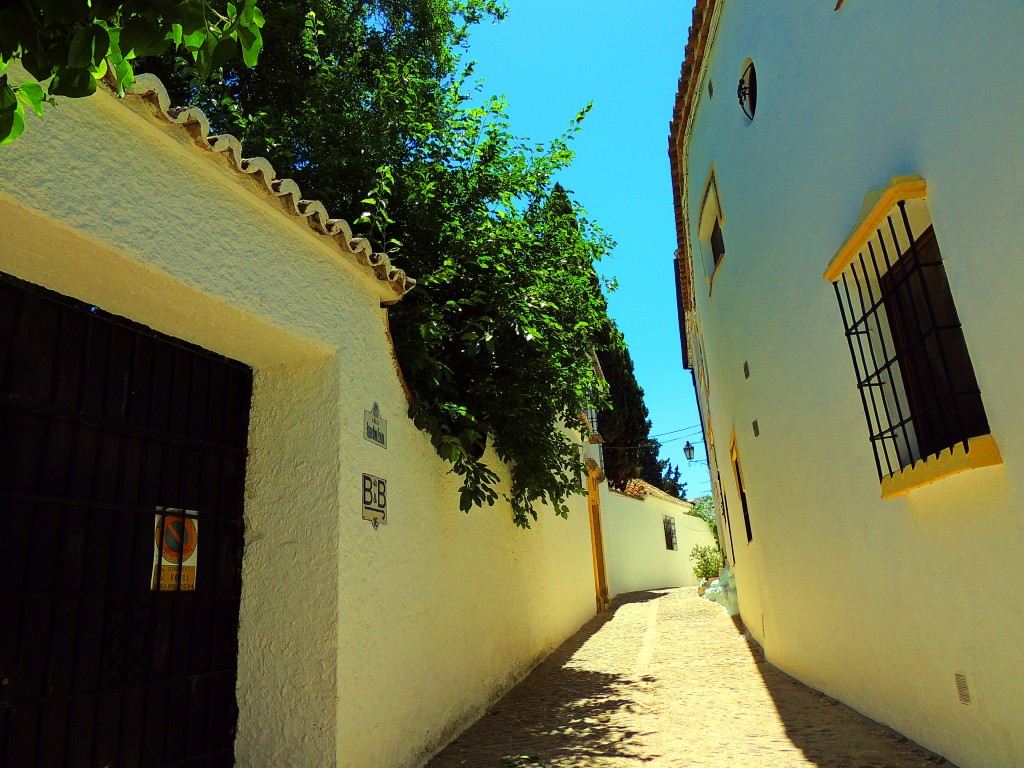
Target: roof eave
{"x":685,"y":103}
{"x":148,"y":95}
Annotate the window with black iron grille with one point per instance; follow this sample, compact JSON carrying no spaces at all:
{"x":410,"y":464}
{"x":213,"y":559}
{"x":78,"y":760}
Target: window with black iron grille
{"x":746,"y":91}
{"x":914,"y":373}
{"x":670,"y":532}
{"x":725,"y":515}
{"x":743,"y":495}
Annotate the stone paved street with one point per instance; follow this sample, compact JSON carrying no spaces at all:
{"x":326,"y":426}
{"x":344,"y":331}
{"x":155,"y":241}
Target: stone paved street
{"x":666,"y":679}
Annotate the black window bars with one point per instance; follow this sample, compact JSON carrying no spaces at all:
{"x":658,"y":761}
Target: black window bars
{"x":669,"y":523}
{"x":914,"y":374}
{"x":741,"y":487}
{"x":746,"y":91}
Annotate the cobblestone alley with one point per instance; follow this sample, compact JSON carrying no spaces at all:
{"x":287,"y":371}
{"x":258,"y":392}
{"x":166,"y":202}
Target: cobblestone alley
{"x":666,"y":679}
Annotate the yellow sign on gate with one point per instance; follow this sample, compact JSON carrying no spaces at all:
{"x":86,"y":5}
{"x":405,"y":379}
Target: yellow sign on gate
{"x":175,"y":550}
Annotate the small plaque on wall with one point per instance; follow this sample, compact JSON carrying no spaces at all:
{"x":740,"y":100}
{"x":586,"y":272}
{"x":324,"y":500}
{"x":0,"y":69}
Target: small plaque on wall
{"x":375,"y":429}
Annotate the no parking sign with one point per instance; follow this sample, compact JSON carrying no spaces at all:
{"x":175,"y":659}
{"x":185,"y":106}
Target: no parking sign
{"x":175,"y":550}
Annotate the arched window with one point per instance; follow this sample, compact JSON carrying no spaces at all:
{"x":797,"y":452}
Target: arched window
{"x":746,"y":91}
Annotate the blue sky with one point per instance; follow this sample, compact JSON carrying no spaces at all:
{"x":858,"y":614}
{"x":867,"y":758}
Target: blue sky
{"x":550,"y":59}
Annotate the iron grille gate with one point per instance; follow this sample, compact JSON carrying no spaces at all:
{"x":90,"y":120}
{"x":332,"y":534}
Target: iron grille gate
{"x":104,"y":423}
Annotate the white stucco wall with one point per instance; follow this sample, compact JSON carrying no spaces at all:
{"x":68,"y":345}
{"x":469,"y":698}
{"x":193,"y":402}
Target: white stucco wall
{"x":897,"y":595}
{"x":634,"y":537}
{"x":356,"y":647}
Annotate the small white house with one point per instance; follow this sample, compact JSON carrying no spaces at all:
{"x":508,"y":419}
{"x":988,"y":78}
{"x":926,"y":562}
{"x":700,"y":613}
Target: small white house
{"x":650,"y":535}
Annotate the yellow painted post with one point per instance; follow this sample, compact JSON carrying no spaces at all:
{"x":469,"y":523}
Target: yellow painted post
{"x":597,"y":541}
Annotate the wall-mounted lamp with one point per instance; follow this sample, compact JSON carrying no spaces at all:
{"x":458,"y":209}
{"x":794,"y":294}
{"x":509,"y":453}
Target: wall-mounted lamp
{"x":688,"y":453}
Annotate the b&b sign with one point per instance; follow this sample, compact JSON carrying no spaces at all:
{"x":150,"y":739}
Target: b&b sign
{"x":375,"y":500}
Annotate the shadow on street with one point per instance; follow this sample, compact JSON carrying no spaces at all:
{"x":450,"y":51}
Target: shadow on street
{"x":559,"y":715}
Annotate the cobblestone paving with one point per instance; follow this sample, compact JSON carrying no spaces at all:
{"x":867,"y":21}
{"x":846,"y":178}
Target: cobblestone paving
{"x":666,"y":679}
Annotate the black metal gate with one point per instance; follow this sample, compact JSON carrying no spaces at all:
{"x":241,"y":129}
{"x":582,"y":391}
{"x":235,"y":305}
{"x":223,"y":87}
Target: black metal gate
{"x":120,"y":450}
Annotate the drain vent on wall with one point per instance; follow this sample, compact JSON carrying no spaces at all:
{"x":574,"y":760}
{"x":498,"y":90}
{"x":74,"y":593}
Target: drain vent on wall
{"x":962,"y":691}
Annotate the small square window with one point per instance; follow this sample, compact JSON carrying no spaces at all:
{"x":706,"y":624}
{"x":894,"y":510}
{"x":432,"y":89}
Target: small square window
{"x":717,"y":243}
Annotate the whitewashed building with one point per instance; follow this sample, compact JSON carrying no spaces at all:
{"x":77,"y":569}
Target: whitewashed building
{"x":192,"y":354}
{"x":651,"y":535}
{"x":848,"y":180}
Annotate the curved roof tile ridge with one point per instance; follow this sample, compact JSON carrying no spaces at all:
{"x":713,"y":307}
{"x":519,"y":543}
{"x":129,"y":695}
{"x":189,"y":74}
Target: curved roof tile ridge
{"x":149,"y":89}
{"x":641,"y":489}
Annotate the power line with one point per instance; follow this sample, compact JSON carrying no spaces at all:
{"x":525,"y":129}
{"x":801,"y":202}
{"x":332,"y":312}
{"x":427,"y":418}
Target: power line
{"x":681,"y":437}
{"x":681,"y":429}
{"x":648,"y":445}
{"x":652,"y":439}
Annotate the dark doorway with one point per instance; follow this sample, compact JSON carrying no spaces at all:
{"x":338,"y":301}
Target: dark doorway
{"x":122,"y":468}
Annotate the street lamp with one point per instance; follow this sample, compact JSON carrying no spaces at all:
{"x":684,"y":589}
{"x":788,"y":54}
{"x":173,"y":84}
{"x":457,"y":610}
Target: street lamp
{"x":688,"y":453}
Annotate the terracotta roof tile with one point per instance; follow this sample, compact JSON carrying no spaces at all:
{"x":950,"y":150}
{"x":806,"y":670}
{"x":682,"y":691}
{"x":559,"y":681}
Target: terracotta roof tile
{"x":149,"y":91}
{"x":641,"y":489}
{"x":634,"y":489}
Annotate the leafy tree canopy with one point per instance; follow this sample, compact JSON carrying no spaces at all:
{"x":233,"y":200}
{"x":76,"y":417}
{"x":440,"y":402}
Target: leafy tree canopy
{"x":670,"y":481}
{"x":704,"y":508}
{"x":630,"y":451}
{"x":367,"y":104}
{"x":70,"y":44}
{"x":369,"y":107}
{"x":625,"y":426}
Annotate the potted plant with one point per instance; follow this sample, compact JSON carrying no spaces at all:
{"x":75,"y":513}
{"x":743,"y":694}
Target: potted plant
{"x":707,"y":562}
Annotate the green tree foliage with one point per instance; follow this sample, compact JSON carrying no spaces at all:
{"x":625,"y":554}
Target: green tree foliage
{"x":630,"y":451}
{"x":343,"y":88}
{"x":67,"y":45}
{"x":624,"y":427}
{"x":496,"y":340}
{"x":704,"y":508}
{"x":670,"y":481}
{"x":366,"y":104}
